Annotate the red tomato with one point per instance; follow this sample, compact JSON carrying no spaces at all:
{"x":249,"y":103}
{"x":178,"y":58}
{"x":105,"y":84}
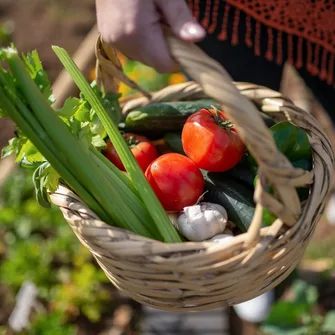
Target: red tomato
{"x":143,"y":150}
{"x":176,"y":181}
{"x":211,"y":142}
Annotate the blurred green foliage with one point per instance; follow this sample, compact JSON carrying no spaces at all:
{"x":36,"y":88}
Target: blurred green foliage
{"x":298,"y":315}
{"x":37,"y":244}
{"x":6,"y":32}
{"x":51,"y":324}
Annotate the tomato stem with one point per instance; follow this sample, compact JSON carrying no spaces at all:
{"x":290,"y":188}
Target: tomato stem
{"x":223,"y":123}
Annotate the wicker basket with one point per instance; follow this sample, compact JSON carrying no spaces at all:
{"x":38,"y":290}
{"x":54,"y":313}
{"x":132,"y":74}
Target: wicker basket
{"x":206,"y":275}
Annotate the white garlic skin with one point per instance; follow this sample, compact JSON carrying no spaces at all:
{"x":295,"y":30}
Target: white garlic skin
{"x":203,"y":221}
{"x":221,"y":238}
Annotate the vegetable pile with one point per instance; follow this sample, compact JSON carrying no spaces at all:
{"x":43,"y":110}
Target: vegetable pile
{"x":169,"y":171}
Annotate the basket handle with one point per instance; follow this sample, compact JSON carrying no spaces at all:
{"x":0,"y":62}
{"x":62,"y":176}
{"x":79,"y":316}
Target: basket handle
{"x":218,"y":84}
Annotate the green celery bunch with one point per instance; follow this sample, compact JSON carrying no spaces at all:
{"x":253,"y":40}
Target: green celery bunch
{"x":64,"y":146}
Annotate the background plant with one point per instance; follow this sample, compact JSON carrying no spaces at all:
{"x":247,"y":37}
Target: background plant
{"x":299,"y":314}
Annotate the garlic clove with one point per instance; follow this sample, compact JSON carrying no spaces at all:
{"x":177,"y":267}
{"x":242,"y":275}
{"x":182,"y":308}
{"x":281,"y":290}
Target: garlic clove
{"x":202,"y":221}
{"x":221,"y":238}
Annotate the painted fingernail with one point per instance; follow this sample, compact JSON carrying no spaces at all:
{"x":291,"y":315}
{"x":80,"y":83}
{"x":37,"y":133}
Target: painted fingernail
{"x":192,"y":30}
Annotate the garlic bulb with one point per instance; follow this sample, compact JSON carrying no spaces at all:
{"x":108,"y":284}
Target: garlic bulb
{"x":201,"y":222}
{"x":221,"y":238}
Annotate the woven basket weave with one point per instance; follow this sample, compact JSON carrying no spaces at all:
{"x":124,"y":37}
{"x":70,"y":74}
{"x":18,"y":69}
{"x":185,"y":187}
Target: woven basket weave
{"x":206,"y":275}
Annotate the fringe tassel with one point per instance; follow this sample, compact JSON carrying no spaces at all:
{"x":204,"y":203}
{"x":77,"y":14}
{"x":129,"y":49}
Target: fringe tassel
{"x":236,"y":23}
{"x":290,"y":57}
{"x":248,"y":40}
{"x":330,"y":79}
{"x":323,"y":72}
{"x":319,"y":61}
{"x":269,"y":51}
{"x":316,"y":60}
{"x":205,"y":21}
{"x":309,"y":64}
{"x":215,"y":14}
{"x":196,"y":9}
{"x":224,"y":30}
{"x":299,"y":62}
{"x":258,"y":39}
{"x":190,"y":5}
{"x":279,"y":58}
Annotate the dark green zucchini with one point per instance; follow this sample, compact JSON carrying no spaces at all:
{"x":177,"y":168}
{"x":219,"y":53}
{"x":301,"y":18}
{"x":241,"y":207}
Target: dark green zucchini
{"x":235,"y":197}
{"x":242,"y":173}
{"x":165,"y":116}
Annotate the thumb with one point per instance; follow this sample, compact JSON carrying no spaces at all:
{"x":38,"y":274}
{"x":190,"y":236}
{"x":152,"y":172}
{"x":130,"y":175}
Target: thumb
{"x":180,"y":20}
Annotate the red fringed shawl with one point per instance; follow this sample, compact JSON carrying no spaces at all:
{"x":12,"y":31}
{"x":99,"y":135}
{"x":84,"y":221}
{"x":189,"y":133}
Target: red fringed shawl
{"x":301,"y":22}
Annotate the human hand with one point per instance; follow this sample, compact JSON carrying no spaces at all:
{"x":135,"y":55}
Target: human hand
{"x":134,"y":28}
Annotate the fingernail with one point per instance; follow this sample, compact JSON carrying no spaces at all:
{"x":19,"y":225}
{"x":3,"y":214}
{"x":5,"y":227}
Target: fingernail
{"x":192,"y":31}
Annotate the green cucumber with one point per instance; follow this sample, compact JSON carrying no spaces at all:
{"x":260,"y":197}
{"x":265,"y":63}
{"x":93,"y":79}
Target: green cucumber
{"x":235,"y":197}
{"x":165,"y":116}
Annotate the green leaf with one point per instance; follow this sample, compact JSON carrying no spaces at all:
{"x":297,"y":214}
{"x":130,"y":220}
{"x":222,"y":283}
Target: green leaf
{"x":74,"y":107}
{"x":30,"y":152}
{"x":111,"y":103}
{"x":285,"y":314}
{"x":14,"y":146}
{"x":41,"y":191}
{"x":9,"y":82}
{"x":305,"y":293}
{"x":52,"y":179}
{"x":69,"y":108}
{"x":24,"y":163}
{"x":97,"y":127}
{"x":34,"y":66}
{"x":329,"y":323}
{"x":45,"y":179}
{"x":83,"y":112}
{"x":276,"y":330}
{"x":32,"y":62}
{"x":98,"y":142}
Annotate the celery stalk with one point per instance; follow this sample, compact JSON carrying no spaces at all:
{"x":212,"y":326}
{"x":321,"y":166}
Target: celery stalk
{"x":31,"y":129}
{"x":136,"y":206}
{"x":72,"y":151}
